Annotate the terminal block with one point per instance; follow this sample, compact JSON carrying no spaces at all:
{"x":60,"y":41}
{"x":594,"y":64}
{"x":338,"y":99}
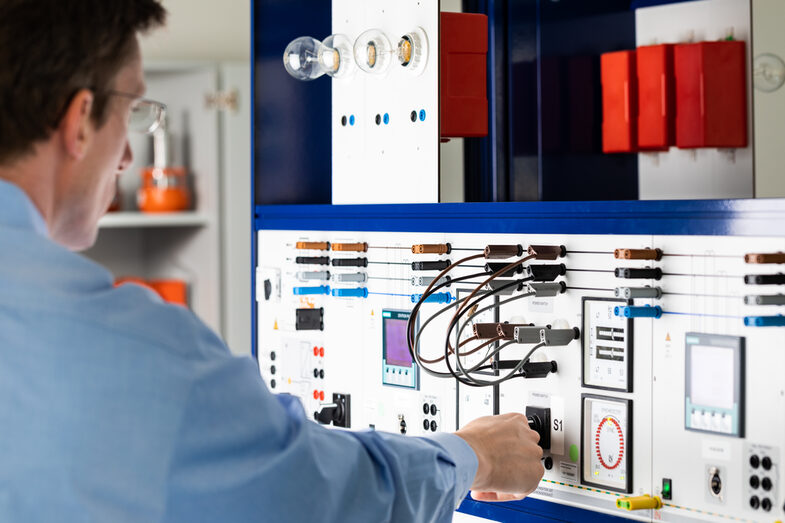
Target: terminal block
{"x":774,"y":257}
{"x":547,"y":252}
{"x":350,"y":247}
{"x":629,"y":293}
{"x":438,"y":265}
{"x":559,"y":337}
{"x":765,"y":321}
{"x":539,"y":369}
{"x":639,"y":274}
{"x":493,"y":268}
{"x":438,"y":248}
{"x":497,"y":284}
{"x":438,"y":297}
{"x":502,"y":252}
{"x":507,"y":330}
{"x":313,"y":275}
{"x":312,"y":291}
{"x":547,"y":272}
{"x":350,"y":262}
{"x":312,"y":260}
{"x":356,"y":277}
{"x":359,"y":292}
{"x":544,"y":290}
{"x":314,"y":246}
{"x":485,"y":331}
{"x":765,"y":279}
{"x":774,"y":299}
{"x":647,"y":311}
{"x":638,"y":254}
{"x":424,"y":281}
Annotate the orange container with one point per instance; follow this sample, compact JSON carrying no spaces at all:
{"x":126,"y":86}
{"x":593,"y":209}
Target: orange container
{"x":171,"y":290}
{"x":164,"y":190}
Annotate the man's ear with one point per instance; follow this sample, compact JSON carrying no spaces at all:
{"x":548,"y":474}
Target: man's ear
{"x":77,"y":126}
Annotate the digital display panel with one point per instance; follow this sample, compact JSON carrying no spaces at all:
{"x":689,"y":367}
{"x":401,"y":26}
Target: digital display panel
{"x":395,"y":345}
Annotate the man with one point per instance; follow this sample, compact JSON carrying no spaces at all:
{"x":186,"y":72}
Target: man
{"x":103,"y":421}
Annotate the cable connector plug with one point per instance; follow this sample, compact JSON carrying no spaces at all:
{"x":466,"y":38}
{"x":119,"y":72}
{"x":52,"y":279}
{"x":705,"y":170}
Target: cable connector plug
{"x":502,"y":252}
{"x":544,"y":290}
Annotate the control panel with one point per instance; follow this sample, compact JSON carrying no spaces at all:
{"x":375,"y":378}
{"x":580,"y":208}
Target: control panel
{"x":650,"y":365}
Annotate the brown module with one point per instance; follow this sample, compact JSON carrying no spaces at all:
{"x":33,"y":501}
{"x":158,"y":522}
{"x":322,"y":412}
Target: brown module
{"x":350,"y":247}
{"x":434,"y":248}
{"x":316,"y":246}
{"x":773,"y":257}
{"x":637,"y":254}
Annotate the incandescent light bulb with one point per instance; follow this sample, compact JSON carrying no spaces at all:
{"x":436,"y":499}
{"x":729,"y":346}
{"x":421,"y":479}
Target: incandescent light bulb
{"x":307,"y":58}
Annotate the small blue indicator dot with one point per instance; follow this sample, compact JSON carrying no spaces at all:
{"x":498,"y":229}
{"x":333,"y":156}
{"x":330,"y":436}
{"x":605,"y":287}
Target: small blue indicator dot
{"x":351,"y":120}
{"x":386,"y":118}
{"x":422,"y":115}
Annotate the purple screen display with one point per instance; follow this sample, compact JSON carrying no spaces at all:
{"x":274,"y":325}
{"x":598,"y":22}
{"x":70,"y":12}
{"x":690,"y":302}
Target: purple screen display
{"x":397,"y":350}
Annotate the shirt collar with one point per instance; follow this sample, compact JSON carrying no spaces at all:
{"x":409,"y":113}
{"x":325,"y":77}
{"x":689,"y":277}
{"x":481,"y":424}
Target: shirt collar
{"x":17,"y":211}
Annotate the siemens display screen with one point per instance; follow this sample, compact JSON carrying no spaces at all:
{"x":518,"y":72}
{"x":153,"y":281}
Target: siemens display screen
{"x":397,"y":367}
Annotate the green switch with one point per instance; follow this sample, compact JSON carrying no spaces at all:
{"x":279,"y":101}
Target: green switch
{"x":574,"y":453}
{"x":667,"y":488}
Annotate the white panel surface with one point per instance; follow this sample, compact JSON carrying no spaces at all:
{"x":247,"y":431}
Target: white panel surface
{"x":697,"y":173}
{"x":396,"y":162}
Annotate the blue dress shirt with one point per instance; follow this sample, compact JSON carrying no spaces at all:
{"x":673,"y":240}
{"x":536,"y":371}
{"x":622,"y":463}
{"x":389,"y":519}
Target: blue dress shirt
{"x":116,"y":407}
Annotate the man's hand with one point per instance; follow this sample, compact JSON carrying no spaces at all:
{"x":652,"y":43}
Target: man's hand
{"x":510,"y":461}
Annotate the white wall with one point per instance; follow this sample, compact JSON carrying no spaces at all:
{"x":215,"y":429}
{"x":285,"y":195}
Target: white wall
{"x":203,"y":30}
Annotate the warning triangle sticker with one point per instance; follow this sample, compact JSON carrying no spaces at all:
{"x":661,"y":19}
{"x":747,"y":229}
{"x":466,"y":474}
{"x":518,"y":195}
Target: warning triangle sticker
{"x":275,"y":325}
{"x":668,"y":337}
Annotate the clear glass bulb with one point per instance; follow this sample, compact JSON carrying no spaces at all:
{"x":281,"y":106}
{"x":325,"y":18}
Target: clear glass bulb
{"x":307,"y":58}
{"x":373,"y":52}
{"x":412,"y":51}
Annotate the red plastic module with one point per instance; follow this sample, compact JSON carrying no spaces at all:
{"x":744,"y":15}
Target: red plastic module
{"x":619,"y":102}
{"x":656,"y":97}
{"x":711,"y":94}
{"x":463,"y":83}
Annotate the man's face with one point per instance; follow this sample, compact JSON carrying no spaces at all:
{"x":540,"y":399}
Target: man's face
{"x":86,"y":190}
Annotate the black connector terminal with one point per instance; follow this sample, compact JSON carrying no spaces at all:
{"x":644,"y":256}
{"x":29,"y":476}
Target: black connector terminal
{"x":350,"y":262}
{"x":310,"y":320}
{"x":539,"y":369}
{"x":639,"y":274}
{"x":492,"y":268}
{"x":547,"y":252}
{"x":312,"y":260}
{"x":502,"y":252}
{"x":765,"y":279}
{"x":438,"y":265}
{"x":547,"y":272}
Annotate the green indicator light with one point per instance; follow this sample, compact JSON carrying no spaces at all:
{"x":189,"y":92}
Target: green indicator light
{"x":574,"y":453}
{"x":666,"y":488}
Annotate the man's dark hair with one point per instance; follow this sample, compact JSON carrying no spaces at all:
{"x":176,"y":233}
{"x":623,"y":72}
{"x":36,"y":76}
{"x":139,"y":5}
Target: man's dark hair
{"x":50,"y":49}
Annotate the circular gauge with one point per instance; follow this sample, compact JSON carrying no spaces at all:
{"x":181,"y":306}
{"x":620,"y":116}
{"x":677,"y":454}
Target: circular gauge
{"x":609,"y":443}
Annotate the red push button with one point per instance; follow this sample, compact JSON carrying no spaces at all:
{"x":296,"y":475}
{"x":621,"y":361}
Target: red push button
{"x":316,"y":351}
{"x":321,"y":395}
{"x":321,"y":352}
{"x":316,"y":394}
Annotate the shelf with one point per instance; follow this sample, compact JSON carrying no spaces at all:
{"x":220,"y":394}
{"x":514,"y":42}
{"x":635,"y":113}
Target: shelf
{"x":131,"y":219}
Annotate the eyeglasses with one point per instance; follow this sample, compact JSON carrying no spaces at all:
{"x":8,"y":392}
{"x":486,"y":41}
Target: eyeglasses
{"x":146,"y":115}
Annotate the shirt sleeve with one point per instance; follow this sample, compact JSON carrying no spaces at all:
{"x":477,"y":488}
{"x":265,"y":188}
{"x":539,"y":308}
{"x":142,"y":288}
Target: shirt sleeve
{"x":243,"y":454}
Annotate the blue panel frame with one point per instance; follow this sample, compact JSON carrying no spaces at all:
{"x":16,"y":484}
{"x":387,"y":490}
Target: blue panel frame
{"x":533,"y":510}
{"x":765,"y":217}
